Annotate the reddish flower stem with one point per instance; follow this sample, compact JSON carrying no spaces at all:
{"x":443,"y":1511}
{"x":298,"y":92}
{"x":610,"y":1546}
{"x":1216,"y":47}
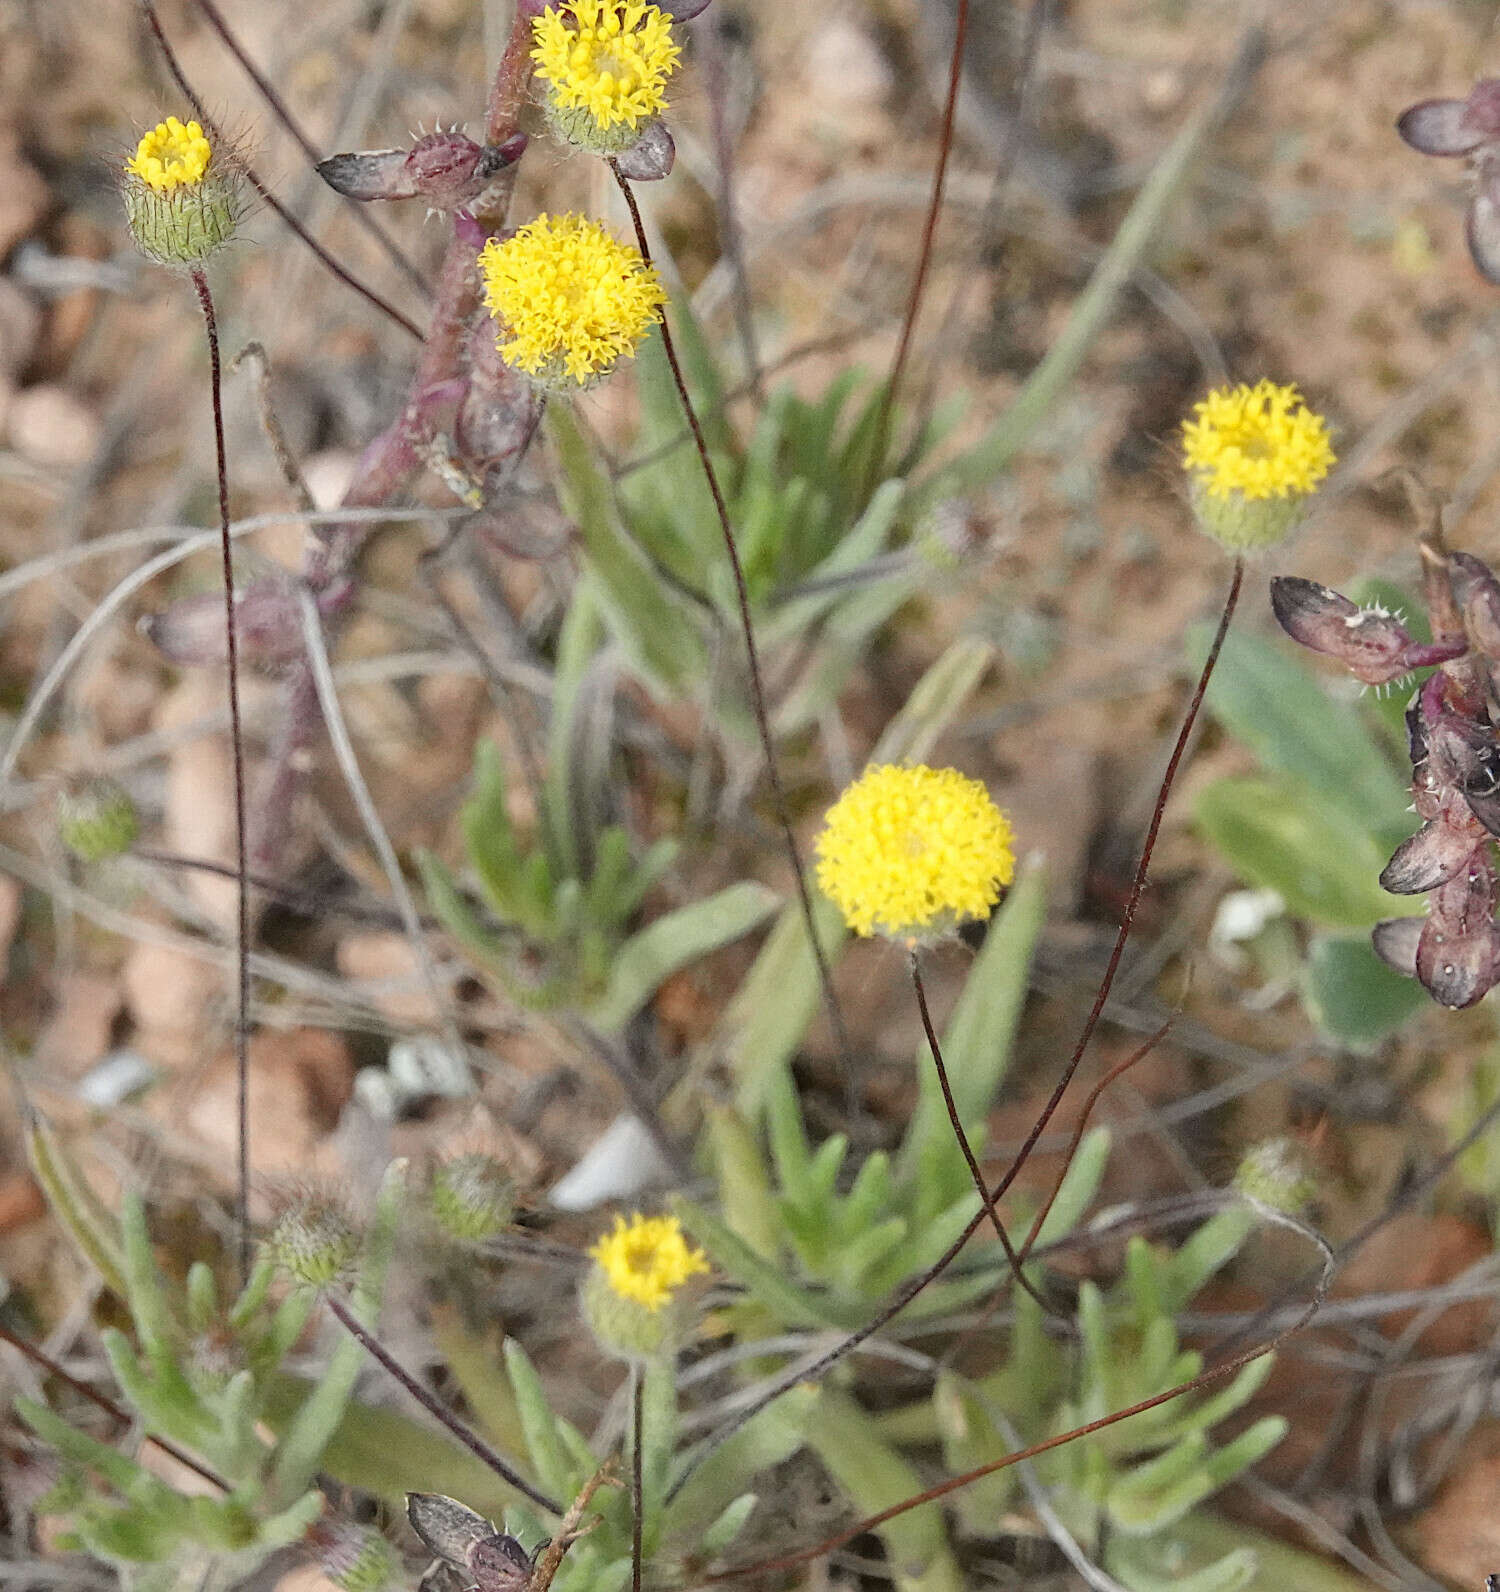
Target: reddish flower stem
{"x":752,"y":652}
{"x":237,"y":745}
{"x":963,"y":1138}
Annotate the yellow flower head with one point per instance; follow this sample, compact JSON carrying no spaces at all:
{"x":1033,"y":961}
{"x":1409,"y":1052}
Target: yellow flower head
{"x":910,"y":853}
{"x":184,"y":199}
{"x":171,"y":156}
{"x":647,"y":1259}
{"x":571,"y":299}
{"x":1253,"y":455}
{"x":605,"y":64}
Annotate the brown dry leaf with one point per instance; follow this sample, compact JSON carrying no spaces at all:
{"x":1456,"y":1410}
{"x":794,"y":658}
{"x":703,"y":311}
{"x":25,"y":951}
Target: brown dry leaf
{"x":79,"y":1031}
{"x":171,"y":996}
{"x":51,"y":427}
{"x":387,"y":962}
{"x":1459,"y":1532}
{"x":10,"y":917}
{"x":23,"y":193}
{"x":1417,"y":1251}
{"x":299,"y":1083}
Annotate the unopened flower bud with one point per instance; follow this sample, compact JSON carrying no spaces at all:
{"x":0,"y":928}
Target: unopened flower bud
{"x":184,"y":199}
{"x":316,"y":1240}
{"x":446,"y":170}
{"x":354,"y":1557}
{"x":1372,"y":644}
{"x":1274,"y":1173}
{"x":267,"y":627}
{"x":471,"y":1198}
{"x":97,"y":821}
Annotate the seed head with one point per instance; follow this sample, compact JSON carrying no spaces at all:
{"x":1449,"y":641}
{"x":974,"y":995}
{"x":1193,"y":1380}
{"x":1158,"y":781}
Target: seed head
{"x":604,"y":67}
{"x":570,"y":299}
{"x":97,"y":821}
{"x":910,"y":853}
{"x":471,"y":1197}
{"x":1254,"y":455}
{"x":354,"y":1557}
{"x":632,"y":1294}
{"x":316,"y":1240}
{"x":1275,"y":1173}
{"x":184,"y":199}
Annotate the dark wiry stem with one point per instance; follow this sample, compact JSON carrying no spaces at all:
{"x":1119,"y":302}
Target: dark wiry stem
{"x":216,"y":136}
{"x":1215,"y":1373}
{"x":963,"y":1138}
{"x":237,"y":743}
{"x":1137,"y":885}
{"x":435,"y":1408}
{"x":637,"y":1470}
{"x":279,"y":110}
{"x":41,"y":1358}
{"x":1118,"y":1070}
{"x":924,"y":253}
{"x":909,"y":1291}
{"x":747,"y":630}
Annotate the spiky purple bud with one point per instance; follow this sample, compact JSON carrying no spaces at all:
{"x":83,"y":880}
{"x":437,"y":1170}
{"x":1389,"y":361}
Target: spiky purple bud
{"x":1477,"y":593}
{"x":444,"y":170}
{"x":1459,"y":943}
{"x":1373,"y":644}
{"x":267,"y":622}
{"x":1452,"y":127}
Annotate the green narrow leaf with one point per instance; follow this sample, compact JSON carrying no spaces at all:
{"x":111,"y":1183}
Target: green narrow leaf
{"x":674,"y":940}
{"x":1283,"y":839}
{"x":653,"y":623}
{"x":1267,"y":697}
{"x":789,"y":1304}
{"x":549,"y":1452}
{"x":875,"y":1476}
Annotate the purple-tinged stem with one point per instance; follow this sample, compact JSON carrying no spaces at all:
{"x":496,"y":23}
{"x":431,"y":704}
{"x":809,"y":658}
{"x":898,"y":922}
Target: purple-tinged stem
{"x":924,"y":252}
{"x":1137,"y":885}
{"x":237,"y":744}
{"x":963,"y":1138}
{"x":637,"y":1471}
{"x":752,"y":652}
{"x":41,"y":1358}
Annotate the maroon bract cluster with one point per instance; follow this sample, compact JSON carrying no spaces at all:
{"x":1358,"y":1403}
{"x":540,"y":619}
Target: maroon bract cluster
{"x":445,"y":170}
{"x":1455,"y":949}
{"x":1468,"y":128}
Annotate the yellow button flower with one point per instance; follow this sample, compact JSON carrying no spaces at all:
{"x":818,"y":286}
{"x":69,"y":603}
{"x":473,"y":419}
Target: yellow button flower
{"x":571,"y":300}
{"x":604,"y":66}
{"x":647,"y":1259}
{"x":183,"y":200}
{"x":1253,"y":454}
{"x":910,"y":853}
{"x":170,"y":156}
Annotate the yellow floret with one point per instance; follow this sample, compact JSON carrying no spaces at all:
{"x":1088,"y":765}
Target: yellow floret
{"x":171,"y":156}
{"x":647,"y":1259}
{"x":571,"y":299}
{"x":910,"y":853}
{"x":611,"y":60}
{"x":1258,"y":442}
